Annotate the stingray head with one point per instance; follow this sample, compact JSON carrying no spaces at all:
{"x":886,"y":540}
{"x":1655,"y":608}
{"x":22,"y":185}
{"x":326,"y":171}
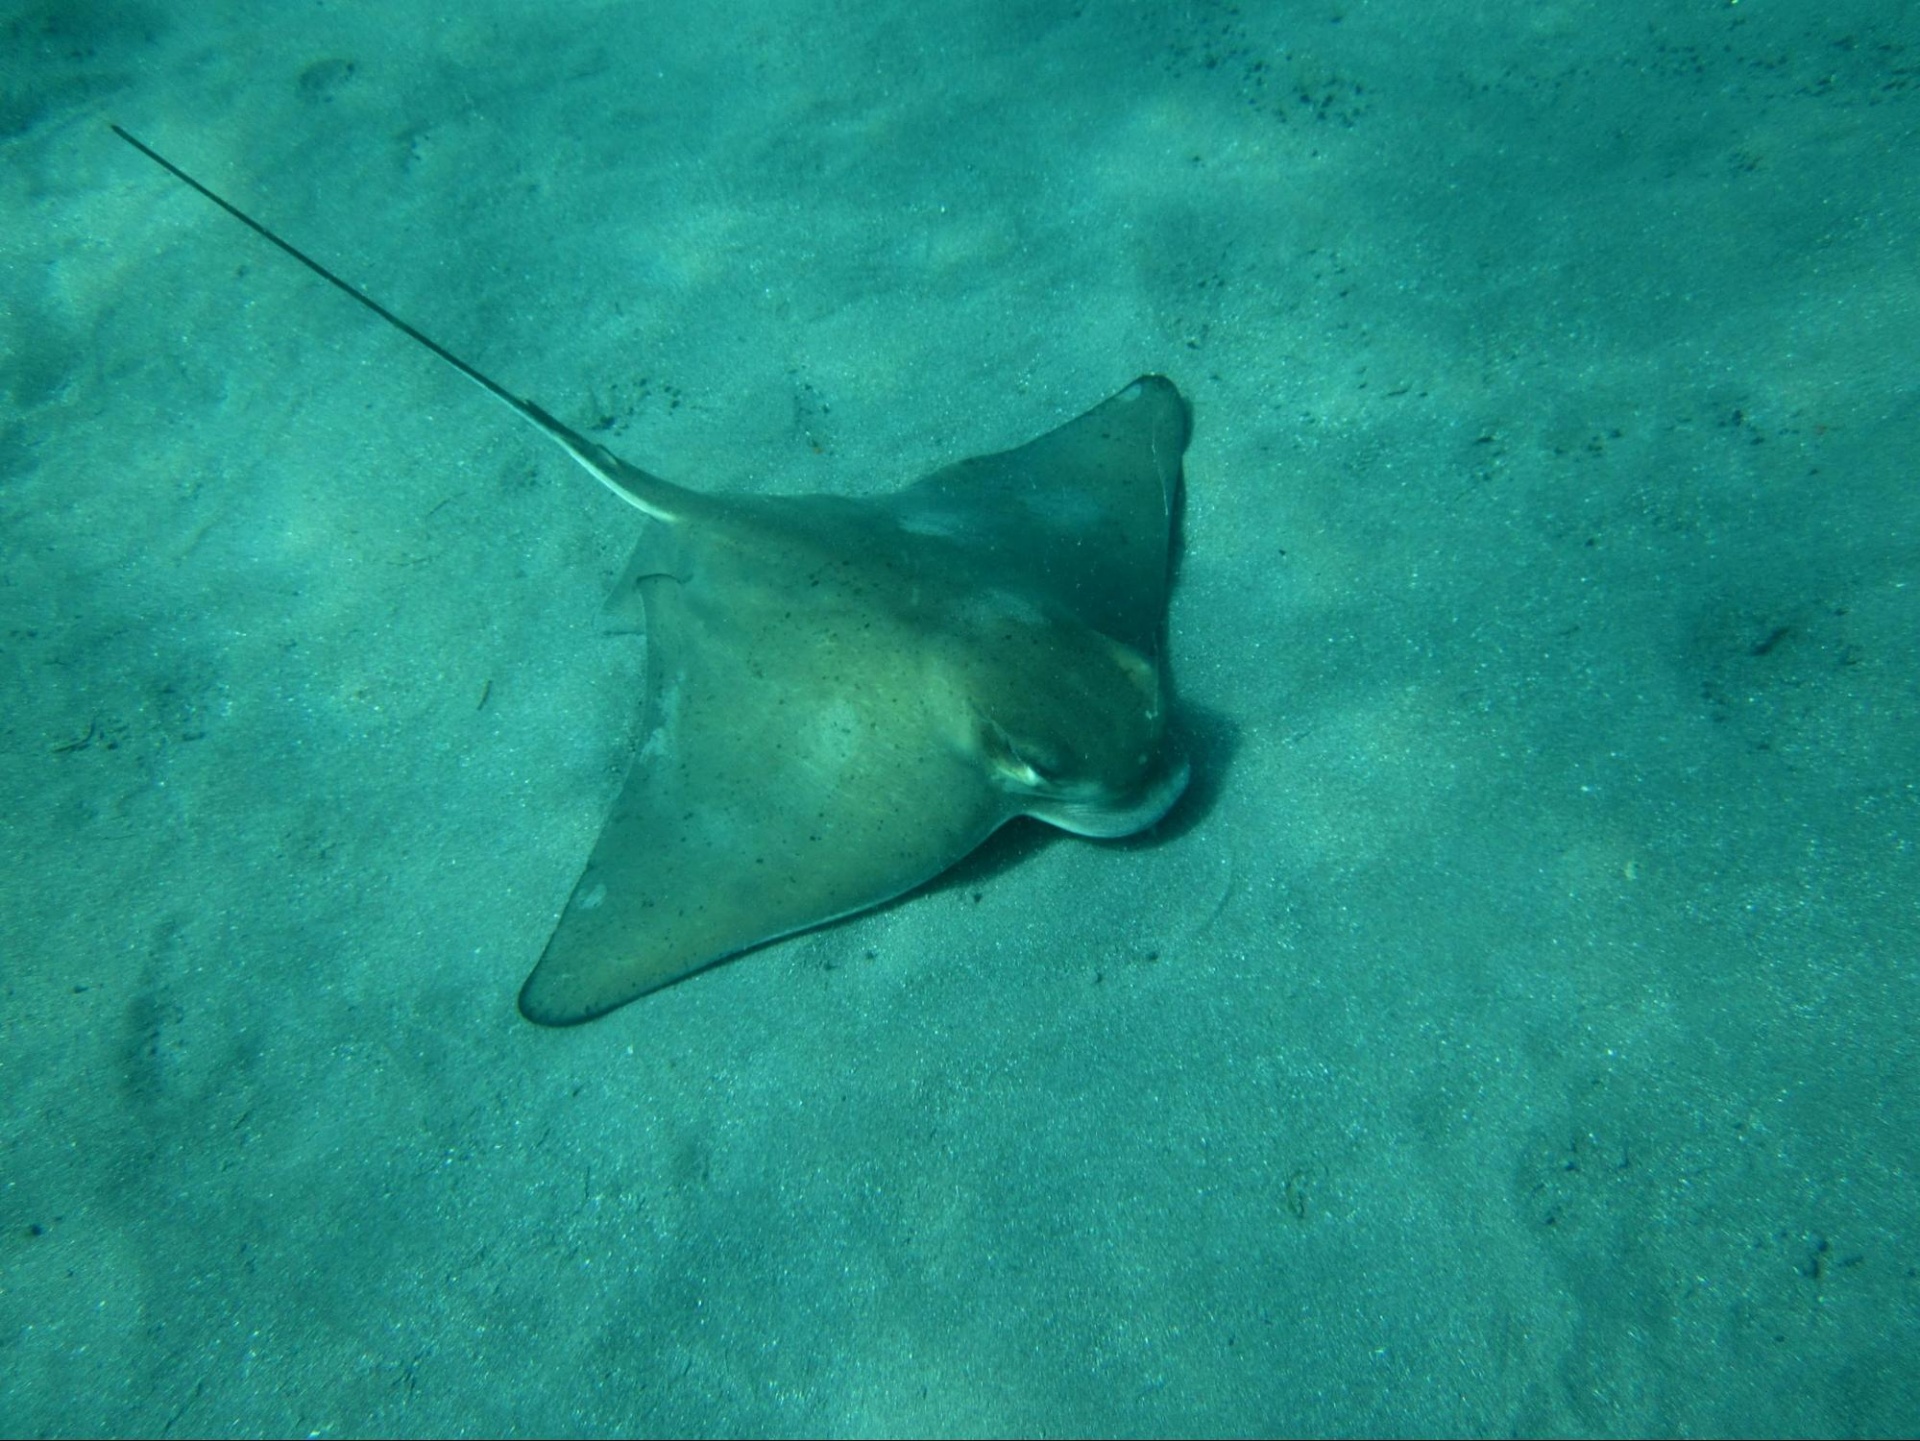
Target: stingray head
{"x":1078,"y":735}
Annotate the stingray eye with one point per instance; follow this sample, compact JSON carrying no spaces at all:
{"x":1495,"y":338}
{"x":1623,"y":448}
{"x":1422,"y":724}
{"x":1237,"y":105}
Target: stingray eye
{"x":1027,"y":767}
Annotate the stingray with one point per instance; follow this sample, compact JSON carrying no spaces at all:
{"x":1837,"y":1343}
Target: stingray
{"x":845,"y":697}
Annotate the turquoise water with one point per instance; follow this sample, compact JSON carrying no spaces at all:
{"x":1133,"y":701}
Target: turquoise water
{"x":1515,"y":1031}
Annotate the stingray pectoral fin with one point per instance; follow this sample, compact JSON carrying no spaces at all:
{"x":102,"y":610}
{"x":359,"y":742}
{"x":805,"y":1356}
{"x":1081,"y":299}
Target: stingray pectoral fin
{"x":786,"y":780}
{"x":693,"y":867}
{"x":1082,"y":516}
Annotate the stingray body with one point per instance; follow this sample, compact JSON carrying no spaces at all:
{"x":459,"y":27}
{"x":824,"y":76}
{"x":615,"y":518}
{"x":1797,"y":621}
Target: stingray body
{"x":845,"y":697}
